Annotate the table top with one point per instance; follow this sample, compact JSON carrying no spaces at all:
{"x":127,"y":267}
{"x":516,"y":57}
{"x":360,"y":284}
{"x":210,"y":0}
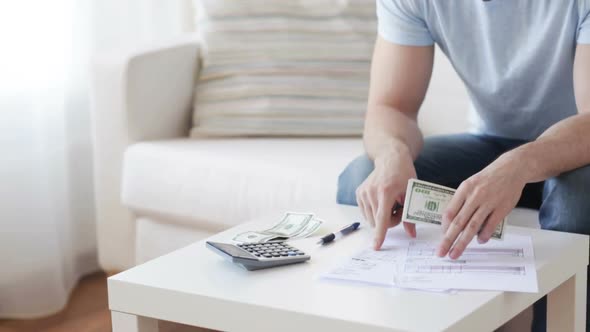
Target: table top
{"x":195,"y":286}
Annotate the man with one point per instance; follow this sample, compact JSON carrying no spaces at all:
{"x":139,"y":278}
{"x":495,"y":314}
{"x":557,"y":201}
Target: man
{"x":526,"y":66}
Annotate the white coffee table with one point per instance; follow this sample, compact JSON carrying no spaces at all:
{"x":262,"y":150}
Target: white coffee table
{"x":196,"y":287}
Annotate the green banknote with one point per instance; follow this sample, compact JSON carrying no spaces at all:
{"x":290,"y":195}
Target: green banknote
{"x":293,"y":225}
{"x":425,"y":203}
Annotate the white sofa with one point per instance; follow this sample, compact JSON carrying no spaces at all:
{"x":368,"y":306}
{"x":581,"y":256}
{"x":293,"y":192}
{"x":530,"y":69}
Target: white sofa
{"x":158,"y":190}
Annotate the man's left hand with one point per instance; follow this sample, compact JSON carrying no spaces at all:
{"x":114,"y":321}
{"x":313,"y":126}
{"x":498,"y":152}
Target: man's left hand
{"x":480,"y":204}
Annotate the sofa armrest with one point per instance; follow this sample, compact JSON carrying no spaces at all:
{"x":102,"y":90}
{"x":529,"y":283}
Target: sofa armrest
{"x":135,"y":96}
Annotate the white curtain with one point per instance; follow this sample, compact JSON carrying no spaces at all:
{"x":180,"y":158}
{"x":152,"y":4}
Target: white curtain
{"x":47,"y":230}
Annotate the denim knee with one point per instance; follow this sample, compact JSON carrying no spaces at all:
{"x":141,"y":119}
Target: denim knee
{"x":566,"y":202}
{"x":351,"y":178}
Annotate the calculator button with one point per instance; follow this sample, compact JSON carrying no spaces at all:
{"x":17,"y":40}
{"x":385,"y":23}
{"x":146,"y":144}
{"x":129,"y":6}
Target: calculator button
{"x":300,"y":253}
{"x":290,"y":253}
{"x":284,"y":254}
{"x":267,"y":255}
{"x":276,"y":255}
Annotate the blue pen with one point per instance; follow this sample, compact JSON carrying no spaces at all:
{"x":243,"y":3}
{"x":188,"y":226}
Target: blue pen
{"x":346,"y":230}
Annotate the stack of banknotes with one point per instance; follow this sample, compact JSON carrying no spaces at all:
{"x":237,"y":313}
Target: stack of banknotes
{"x":293,"y":225}
{"x":425,"y":203}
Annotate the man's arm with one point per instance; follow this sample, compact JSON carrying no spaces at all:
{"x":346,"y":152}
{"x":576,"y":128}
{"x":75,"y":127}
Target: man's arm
{"x":565,"y":145}
{"x":490,"y":195}
{"x":399,"y":80}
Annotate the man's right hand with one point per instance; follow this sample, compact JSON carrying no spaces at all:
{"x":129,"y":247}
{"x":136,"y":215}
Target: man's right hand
{"x":399,"y":80}
{"x":385,"y":186}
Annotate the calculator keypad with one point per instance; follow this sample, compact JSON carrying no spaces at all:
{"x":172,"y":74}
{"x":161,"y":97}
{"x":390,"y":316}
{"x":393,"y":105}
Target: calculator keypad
{"x":271,"y":250}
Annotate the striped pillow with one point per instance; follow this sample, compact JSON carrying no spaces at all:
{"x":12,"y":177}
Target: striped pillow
{"x":283,"y":67}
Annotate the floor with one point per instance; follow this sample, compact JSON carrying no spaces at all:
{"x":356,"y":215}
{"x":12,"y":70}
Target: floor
{"x":87,"y":311}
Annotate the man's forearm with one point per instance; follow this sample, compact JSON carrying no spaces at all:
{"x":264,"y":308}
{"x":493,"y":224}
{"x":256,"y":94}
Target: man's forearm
{"x":389,"y":131}
{"x":563,"y":147}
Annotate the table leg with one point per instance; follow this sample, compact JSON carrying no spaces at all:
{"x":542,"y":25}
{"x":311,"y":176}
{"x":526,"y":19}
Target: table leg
{"x":123,"y":322}
{"x":566,"y":304}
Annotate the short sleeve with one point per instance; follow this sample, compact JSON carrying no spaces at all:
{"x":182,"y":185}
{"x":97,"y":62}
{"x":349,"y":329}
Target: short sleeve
{"x":400,"y":22}
{"x":584,"y":23}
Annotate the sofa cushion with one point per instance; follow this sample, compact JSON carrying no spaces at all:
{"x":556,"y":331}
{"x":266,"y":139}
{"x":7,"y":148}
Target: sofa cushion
{"x":215,"y":184}
{"x":219,"y":183}
{"x":283,"y":68}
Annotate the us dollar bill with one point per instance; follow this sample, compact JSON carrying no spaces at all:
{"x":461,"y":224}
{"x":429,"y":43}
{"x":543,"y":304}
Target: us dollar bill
{"x":425,"y":203}
{"x":292,"y":225}
{"x":257,"y":237}
{"x":311,"y":227}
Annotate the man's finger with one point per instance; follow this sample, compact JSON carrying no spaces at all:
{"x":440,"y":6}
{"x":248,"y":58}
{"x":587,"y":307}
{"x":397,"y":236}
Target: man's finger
{"x":489,"y":226}
{"x":383,"y":220}
{"x":470,"y":231}
{"x":453,"y":209}
{"x":410,"y":229}
{"x":374,"y":203}
{"x":368,"y":209}
{"x":380,"y":231}
{"x":361,"y":205}
{"x":455,"y":228}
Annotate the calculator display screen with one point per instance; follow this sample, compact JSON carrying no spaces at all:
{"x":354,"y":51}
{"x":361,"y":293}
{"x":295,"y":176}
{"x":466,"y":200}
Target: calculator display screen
{"x":231,"y":250}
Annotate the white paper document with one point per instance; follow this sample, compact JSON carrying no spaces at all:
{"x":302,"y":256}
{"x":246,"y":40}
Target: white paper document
{"x":403,"y":262}
{"x":369,"y":266}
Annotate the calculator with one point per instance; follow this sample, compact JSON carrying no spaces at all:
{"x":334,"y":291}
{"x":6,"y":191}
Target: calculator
{"x":256,"y":256}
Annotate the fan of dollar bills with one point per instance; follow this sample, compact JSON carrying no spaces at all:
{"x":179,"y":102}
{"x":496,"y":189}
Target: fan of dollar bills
{"x":293,"y":225}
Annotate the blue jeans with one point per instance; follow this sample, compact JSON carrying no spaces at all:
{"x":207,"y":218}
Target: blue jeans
{"x":563,"y":201}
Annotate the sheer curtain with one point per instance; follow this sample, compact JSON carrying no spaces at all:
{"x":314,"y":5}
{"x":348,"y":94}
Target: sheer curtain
{"x":47,"y":230}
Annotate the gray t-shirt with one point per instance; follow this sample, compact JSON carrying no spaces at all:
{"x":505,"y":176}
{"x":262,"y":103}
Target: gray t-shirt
{"x":514,"y":56}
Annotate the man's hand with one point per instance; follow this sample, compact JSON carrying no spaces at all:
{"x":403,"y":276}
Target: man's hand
{"x":399,"y":79}
{"x":483,"y":200}
{"x":385,"y":186}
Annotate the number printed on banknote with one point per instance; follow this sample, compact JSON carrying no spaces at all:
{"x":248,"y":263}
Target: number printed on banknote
{"x":425,"y":203}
